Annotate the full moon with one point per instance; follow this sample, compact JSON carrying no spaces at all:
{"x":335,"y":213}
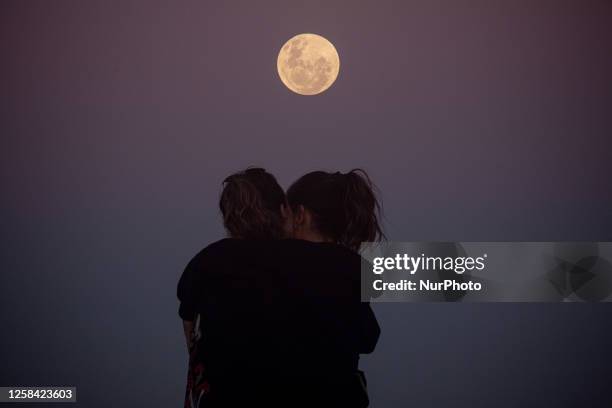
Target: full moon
{"x":308,"y":64}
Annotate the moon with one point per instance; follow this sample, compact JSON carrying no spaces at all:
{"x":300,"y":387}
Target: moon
{"x":308,"y":64}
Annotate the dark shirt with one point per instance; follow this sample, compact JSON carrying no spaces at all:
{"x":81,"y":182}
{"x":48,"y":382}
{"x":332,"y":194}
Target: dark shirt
{"x":278,"y":314}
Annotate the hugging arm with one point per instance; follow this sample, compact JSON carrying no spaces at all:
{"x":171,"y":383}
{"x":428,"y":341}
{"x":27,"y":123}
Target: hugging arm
{"x":367,"y":326}
{"x":187,"y":295}
{"x":188,"y":329}
{"x":369,"y":330}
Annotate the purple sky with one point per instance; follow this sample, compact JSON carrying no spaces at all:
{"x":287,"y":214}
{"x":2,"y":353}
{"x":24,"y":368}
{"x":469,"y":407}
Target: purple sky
{"x":478,"y":120}
{"x":490,"y":106}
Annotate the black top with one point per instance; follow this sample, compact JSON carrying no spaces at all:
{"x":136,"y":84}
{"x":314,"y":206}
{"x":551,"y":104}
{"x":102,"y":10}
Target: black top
{"x":278,"y":312}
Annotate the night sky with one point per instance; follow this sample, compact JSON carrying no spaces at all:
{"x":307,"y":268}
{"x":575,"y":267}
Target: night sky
{"x":478,"y":120}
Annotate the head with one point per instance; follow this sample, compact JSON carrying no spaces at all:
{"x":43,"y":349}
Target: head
{"x":252,"y":204}
{"x":335,"y":207}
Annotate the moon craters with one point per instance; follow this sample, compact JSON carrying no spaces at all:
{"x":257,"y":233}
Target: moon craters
{"x":308,"y":64}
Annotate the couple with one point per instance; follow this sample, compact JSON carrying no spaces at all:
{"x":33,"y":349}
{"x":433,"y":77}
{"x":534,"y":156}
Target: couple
{"x":273,"y":314}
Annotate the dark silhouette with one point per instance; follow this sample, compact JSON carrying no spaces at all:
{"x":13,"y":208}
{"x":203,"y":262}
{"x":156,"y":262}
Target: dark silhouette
{"x":281,"y":320}
{"x":342,"y":206}
{"x":251,"y":203}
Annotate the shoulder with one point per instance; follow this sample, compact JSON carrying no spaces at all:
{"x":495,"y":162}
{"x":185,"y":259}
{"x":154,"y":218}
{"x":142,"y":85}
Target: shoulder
{"x":233,"y":251}
{"x":326,"y":252}
{"x":211,"y":251}
{"x":191,"y":278}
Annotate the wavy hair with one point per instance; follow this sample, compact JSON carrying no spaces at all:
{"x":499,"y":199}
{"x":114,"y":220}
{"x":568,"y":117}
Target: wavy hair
{"x":344,"y":205}
{"x":251,"y":205}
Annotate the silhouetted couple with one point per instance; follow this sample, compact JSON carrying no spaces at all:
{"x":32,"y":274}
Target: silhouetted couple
{"x":273,"y":315}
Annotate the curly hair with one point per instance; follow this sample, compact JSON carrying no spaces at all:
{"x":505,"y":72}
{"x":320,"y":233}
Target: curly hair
{"x":344,"y":205}
{"x":251,"y":205}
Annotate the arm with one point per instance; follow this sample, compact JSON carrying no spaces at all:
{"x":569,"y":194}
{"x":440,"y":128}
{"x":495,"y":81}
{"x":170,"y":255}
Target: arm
{"x":187,"y":295}
{"x":369,"y":329}
{"x":188,"y":329}
{"x":367,"y":325}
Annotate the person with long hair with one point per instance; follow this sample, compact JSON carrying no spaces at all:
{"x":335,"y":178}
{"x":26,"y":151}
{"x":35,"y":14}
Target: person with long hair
{"x":335,"y":207}
{"x":283,"y":321}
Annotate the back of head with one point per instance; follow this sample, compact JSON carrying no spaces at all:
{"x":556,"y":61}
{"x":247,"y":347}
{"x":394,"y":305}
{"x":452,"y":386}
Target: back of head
{"x":251,"y":205}
{"x":344,"y":205}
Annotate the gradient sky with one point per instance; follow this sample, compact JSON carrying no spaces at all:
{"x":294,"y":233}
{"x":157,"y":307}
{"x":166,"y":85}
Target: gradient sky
{"x":478,"y":120}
